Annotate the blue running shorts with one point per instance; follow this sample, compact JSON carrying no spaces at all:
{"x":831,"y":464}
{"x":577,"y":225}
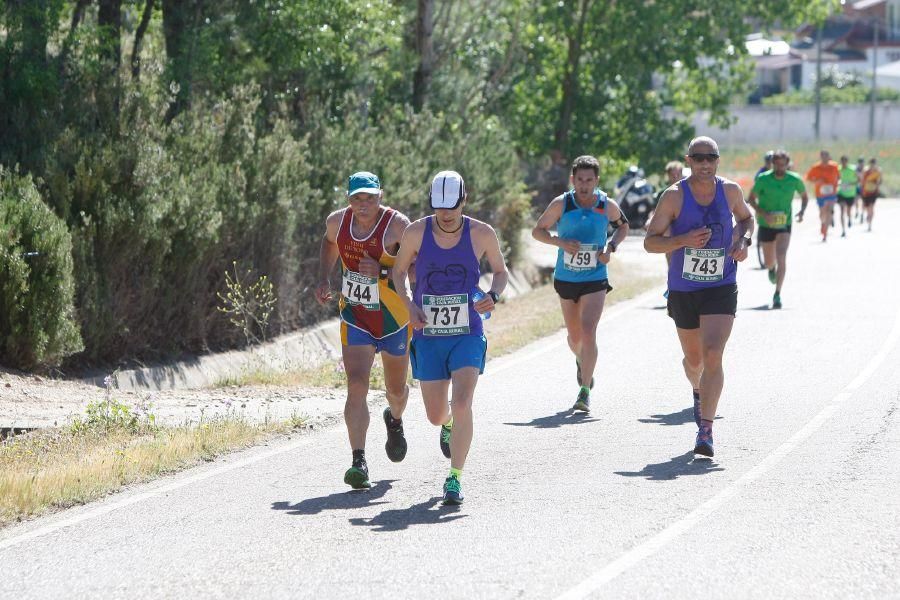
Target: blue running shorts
{"x":435,"y":358}
{"x":394,"y":344}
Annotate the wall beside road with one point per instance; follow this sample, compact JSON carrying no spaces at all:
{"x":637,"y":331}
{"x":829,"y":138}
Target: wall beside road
{"x":772,"y":124}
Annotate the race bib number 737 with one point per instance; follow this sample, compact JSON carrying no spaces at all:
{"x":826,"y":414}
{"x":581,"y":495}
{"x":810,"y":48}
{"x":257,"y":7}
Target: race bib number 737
{"x":446,"y":315}
{"x":704,"y":264}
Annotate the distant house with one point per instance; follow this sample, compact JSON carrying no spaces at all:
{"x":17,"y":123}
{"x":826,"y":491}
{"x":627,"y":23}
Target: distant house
{"x":778,"y":66}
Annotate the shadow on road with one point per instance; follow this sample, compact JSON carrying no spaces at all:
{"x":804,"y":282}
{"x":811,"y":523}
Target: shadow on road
{"x":676,"y":418}
{"x":760,"y":307}
{"x":339,"y":501}
{"x":674,"y":468}
{"x":563,"y":417}
{"x":429,"y":512}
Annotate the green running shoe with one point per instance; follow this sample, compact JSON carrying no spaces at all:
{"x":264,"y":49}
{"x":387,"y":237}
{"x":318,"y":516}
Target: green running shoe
{"x":776,"y":300}
{"x":583,"y":402}
{"x":452,"y":492}
{"x":357,"y":476}
{"x":395,"y":446}
{"x":446,"y":431}
{"x":773,"y":278}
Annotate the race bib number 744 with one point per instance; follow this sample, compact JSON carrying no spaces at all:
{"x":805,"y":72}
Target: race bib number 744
{"x":360,"y":290}
{"x":704,"y":264}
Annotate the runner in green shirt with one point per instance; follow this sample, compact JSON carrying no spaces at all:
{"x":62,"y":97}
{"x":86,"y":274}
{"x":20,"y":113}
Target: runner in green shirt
{"x":771,"y":198}
{"x":847,"y":193}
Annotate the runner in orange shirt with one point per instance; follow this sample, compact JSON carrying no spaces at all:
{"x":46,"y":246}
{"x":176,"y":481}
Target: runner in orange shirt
{"x":825,"y":175}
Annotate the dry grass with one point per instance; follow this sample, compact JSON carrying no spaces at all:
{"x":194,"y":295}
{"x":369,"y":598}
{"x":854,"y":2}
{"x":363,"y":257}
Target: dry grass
{"x":58,"y":468}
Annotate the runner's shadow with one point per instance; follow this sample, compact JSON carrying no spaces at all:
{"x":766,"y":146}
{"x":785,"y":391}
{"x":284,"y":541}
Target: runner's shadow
{"x":424,"y":513}
{"x":676,"y":418}
{"x":339,"y":501}
{"x":674,"y":468}
{"x":563,"y":417}
{"x":760,"y":307}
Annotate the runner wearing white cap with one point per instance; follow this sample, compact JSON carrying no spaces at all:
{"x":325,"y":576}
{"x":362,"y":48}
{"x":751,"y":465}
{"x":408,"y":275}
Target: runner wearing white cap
{"x":449,"y":346}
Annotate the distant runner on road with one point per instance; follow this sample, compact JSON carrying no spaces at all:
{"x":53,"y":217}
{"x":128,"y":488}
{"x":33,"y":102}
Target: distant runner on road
{"x":772,"y":198}
{"x":825,"y":176}
{"x":706,"y":245}
{"x":847,"y":193}
{"x":365,"y":236}
{"x":871,"y":189}
{"x":582,"y":216}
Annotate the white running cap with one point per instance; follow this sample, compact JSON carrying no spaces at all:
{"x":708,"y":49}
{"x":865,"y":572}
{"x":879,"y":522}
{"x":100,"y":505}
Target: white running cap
{"x":447,"y":190}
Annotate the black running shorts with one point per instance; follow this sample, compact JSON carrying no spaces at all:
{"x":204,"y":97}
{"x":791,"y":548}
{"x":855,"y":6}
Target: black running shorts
{"x":685,"y":308}
{"x":570,"y":290}
{"x":767,"y":234}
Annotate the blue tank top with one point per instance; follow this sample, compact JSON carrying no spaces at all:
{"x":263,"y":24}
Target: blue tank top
{"x":710,"y":266}
{"x":588,"y":226}
{"x":445,"y":279}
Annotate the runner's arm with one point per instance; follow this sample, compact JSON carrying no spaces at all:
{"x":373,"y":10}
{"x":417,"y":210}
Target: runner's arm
{"x":328,"y":256}
{"x":656,"y":242}
{"x":551,"y":216}
{"x":621,"y":231}
{"x":410,"y":243}
{"x":489,"y":241}
{"x":745,"y":224}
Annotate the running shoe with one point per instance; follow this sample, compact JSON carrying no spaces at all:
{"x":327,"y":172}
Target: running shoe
{"x":776,"y":300}
{"x":697,"y":409}
{"x":395,"y":446}
{"x":578,"y":372}
{"x":445,"y":439}
{"x":357,"y":476}
{"x":704,"y":443}
{"x":772,"y":277}
{"x":583,"y":402}
{"x":452,"y":491}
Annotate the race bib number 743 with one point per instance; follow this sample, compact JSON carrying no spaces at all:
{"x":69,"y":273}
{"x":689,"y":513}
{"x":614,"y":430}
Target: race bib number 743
{"x":704,"y":264}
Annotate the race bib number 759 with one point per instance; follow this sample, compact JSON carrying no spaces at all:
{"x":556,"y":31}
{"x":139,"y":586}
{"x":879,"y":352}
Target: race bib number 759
{"x":583,"y":260}
{"x":704,"y":264}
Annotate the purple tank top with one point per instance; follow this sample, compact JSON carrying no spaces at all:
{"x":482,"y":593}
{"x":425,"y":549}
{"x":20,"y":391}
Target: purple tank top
{"x":710,"y":266}
{"x":445,"y":279}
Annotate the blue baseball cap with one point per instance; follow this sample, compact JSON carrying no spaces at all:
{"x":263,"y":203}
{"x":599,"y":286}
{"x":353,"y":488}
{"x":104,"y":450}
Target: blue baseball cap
{"x":363,"y":182}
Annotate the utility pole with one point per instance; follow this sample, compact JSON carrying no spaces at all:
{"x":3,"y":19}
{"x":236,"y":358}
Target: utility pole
{"x":819,"y":83}
{"x":874,"y":88}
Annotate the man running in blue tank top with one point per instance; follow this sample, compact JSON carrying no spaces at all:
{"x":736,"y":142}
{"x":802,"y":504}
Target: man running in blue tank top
{"x":448,"y":344}
{"x":582,"y":217}
{"x":711,"y":227}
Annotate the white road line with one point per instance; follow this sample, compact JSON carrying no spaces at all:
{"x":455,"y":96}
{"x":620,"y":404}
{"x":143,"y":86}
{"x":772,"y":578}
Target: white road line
{"x":108,"y":508}
{"x":646,"y":549}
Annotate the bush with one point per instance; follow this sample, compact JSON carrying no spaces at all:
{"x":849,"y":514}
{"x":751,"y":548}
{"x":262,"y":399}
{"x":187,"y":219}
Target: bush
{"x":851,"y":94}
{"x":37,"y":326}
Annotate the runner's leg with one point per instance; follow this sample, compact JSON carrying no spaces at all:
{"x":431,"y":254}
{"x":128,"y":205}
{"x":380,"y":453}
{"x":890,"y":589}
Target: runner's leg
{"x":782,"y":242}
{"x":464,"y":381}
{"x":358,"y":367}
{"x":768,"y":249}
{"x":714,"y":333}
{"x":692,"y":348}
{"x":434,"y":395}
{"x":396,"y":389}
{"x":591,"y":307}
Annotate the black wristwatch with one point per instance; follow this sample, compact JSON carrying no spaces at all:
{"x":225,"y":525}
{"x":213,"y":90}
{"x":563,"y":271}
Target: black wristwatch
{"x":749,"y":240}
{"x":494,"y":296}
{"x":612,"y":246}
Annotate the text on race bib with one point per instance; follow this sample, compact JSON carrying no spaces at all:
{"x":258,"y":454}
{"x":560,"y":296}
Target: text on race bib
{"x":359,"y":290}
{"x":446,"y":315}
{"x":779,"y":219}
{"x":826,"y":190}
{"x":848,"y":188}
{"x":704,"y":264}
{"x":583,"y":260}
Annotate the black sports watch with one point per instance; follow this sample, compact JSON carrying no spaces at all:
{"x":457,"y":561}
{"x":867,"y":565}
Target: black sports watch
{"x":494,"y":296}
{"x":612,"y":246}
{"x":749,"y":240}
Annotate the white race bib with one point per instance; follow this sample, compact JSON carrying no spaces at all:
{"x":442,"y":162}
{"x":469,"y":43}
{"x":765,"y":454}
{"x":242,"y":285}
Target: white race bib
{"x":704,"y":264}
{"x":360,"y":290}
{"x":583,"y":260}
{"x":826,"y":190}
{"x":848,"y":189}
{"x":446,"y":315}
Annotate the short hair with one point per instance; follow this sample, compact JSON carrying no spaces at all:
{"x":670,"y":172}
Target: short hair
{"x":674,"y":164}
{"x":781,"y":153}
{"x":586,"y":162}
{"x":703,"y":139}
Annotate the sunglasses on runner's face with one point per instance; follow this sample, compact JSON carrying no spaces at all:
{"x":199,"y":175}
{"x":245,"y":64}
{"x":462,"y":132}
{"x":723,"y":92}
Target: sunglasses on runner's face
{"x":701,"y":157}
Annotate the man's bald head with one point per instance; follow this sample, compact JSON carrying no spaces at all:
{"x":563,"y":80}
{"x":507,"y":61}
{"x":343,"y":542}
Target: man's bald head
{"x":703,"y":143}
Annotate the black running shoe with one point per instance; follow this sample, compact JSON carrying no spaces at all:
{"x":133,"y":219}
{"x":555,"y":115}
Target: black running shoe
{"x":445,"y":439}
{"x":452,"y":491}
{"x":395,"y":446}
{"x":578,"y":374}
{"x":583,"y":402}
{"x":357,"y":476}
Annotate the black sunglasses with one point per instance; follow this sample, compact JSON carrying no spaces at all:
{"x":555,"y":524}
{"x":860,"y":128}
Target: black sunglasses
{"x":700,"y":157}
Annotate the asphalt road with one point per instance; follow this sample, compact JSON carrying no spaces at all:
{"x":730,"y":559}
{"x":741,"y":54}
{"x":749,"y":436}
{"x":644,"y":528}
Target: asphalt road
{"x":801,"y":500}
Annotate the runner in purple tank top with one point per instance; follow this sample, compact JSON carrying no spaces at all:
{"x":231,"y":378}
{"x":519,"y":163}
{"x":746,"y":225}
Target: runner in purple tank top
{"x":706,"y":244}
{"x":448,"y":343}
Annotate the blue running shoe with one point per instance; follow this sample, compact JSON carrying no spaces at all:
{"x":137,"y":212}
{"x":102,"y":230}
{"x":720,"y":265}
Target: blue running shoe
{"x":704,"y":443}
{"x":452,"y":492}
{"x":697,"y":409}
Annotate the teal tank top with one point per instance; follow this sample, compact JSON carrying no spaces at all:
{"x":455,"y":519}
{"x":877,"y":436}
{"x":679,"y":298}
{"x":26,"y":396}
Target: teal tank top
{"x":588,"y":226}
